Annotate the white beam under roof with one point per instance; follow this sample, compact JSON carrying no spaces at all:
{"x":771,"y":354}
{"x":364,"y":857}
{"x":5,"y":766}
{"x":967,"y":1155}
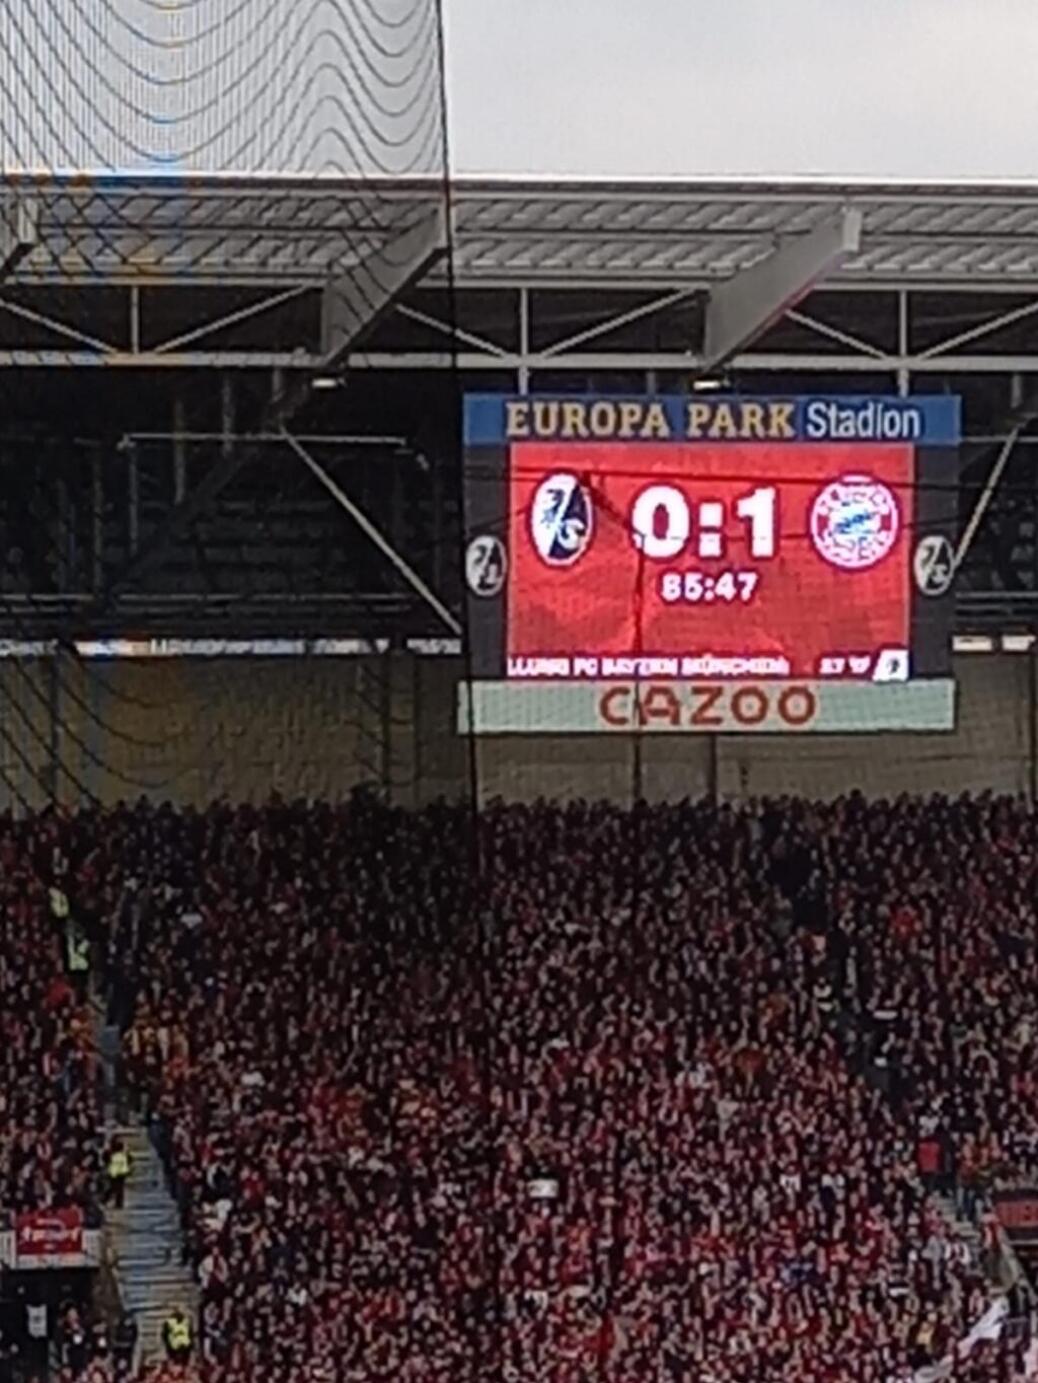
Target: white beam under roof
{"x":371,"y":530}
{"x":19,"y":232}
{"x":355,"y":300}
{"x":746,"y":304}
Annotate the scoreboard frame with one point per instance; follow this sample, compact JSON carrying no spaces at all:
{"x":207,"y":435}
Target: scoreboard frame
{"x":745,"y":694}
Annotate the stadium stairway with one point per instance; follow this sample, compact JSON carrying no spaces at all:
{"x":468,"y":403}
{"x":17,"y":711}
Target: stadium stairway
{"x":145,"y":1243}
{"x":1004,"y":1271}
{"x":143,"y":1239}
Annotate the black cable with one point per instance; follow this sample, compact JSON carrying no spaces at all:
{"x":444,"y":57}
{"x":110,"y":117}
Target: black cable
{"x":35,"y":734}
{"x":19,"y":753}
{"x":393,"y":49}
{"x":487,"y":946}
{"x":271,"y":53}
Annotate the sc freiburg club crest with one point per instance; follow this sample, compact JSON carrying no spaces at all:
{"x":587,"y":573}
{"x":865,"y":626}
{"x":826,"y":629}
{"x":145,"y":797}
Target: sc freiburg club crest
{"x":561,"y":519}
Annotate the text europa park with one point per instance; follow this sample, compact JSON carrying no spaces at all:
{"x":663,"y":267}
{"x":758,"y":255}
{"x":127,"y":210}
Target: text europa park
{"x":718,"y":420}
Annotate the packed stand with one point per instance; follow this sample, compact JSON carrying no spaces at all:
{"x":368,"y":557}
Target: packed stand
{"x":89,"y":1350}
{"x":935,"y":924}
{"x":612,"y":1092}
{"x":49,"y":1072}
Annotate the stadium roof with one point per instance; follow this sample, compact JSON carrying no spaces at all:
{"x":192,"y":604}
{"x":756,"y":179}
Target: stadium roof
{"x":224,"y":272}
{"x":703,"y":230}
{"x":529,"y":231}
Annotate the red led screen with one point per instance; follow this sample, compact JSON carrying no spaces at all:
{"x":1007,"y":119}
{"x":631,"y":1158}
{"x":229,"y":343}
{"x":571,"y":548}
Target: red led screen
{"x":798,"y":554}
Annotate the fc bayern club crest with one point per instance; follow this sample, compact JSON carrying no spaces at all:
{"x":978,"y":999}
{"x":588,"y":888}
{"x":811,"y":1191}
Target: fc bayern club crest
{"x":855,"y":522}
{"x":561,"y":519}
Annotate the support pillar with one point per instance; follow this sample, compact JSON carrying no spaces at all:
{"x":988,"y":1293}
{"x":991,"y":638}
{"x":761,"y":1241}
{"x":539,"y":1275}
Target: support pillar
{"x":227,"y":419}
{"x":179,"y":451}
{"x":133,"y":501}
{"x":748,"y":303}
{"x":97,"y":523}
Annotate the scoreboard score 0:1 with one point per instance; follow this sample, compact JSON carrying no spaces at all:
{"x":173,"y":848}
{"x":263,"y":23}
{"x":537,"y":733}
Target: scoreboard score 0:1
{"x":785,"y":558}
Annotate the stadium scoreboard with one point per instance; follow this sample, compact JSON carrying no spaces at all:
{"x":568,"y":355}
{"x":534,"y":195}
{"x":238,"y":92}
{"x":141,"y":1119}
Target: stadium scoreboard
{"x":710,"y":563}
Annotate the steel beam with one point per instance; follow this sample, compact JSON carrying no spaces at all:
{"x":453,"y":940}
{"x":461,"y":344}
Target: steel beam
{"x":654,"y":279}
{"x":179,"y":450}
{"x":284,"y":403}
{"x":133,"y":492}
{"x":984,"y":329}
{"x":356,"y":300}
{"x":1020,"y":416}
{"x":454,"y":333}
{"x":109,"y":359}
{"x":97,"y":516}
{"x":231,"y":319}
{"x":371,"y":531}
{"x":744,"y":306}
{"x":640,"y":361}
{"x":904,"y":339}
{"x":58,"y":327}
{"x":524,"y":340}
{"x":616,"y":321}
{"x":135,"y":319}
{"x":984,"y":499}
{"x":19,"y":233}
{"x":227,"y":414}
{"x":831,"y":333}
{"x":318,"y":439}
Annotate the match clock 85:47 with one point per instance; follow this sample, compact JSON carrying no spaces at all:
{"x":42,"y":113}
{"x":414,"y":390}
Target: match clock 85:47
{"x":700,"y":587}
{"x":664,"y":525}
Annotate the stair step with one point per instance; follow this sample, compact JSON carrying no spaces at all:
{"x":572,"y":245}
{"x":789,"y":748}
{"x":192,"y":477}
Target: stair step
{"x":144,"y":1303}
{"x":147,"y":1246}
{"x":160,"y":1297}
{"x":159,"y":1275}
{"x":159,"y":1289}
{"x":146,"y":1235}
{"x":148,"y":1222}
{"x":148,"y":1203}
{"x":145,"y":1200}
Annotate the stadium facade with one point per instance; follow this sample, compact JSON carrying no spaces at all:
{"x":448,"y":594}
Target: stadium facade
{"x":238,"y":399}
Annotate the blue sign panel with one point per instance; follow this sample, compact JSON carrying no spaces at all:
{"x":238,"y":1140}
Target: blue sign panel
{"x":924,"y":421}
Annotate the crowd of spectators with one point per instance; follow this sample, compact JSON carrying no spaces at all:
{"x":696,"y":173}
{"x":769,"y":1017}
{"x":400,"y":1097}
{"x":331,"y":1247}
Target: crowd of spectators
{"x":599,"y":1092}
{"x":89,"y":1351}
{"x":563,"y":1093}
{"x":49,"y":1072}
{"x":935,"y":926}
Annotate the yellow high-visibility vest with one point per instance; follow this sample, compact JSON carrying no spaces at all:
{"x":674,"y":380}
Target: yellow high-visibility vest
{"x":178,"y":1333}
{"x":119,"y":1164}
{"x":78,"y":954}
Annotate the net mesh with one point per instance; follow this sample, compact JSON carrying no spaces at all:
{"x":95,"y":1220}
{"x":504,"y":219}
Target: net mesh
{"x":522,"y":994}
{"x":233,"y":193}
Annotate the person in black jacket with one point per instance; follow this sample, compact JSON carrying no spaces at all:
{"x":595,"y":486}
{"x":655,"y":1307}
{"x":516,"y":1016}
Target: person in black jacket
{"x":124,"y":1342}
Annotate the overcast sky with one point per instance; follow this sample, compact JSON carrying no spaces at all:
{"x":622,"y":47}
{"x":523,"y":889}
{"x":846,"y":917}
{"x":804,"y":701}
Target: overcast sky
{"x":912,"y":88}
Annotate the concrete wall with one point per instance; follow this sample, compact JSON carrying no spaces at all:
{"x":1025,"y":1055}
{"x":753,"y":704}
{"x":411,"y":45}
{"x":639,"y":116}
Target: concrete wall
{"x":193,"y":731}
{"x":188,"y":731}
{"x":990,"y":748}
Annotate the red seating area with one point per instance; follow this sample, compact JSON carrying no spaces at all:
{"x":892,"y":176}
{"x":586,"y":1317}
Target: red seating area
{"x":367,"y":1036}
{"x":576,"y":1093}
{"x":49,"y":1109}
